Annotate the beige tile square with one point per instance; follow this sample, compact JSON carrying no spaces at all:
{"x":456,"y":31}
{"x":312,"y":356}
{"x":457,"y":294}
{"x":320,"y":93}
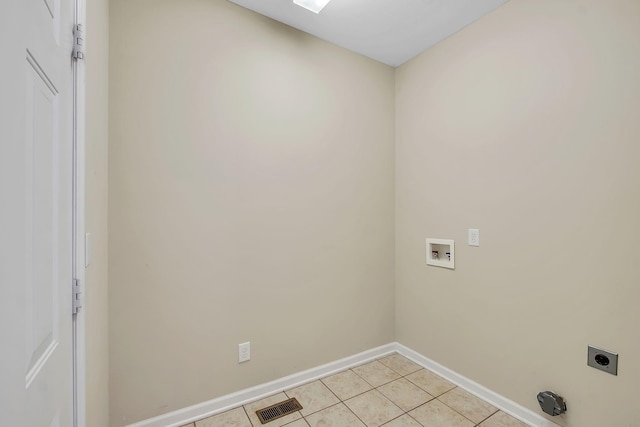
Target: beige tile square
{"x":500,"y":419}
{"x":400,"y":364}
{"x":189,"y":425}
{"x":334,"y":416}
{"x":252,"y":407}
{"x":346,"y":384}
{"x":375,"y":373}
{"x":298,"y":423}
{"x":373,"y":408}
{"x":437,"y":414}
{"x":430,"y":382}
{"x":233,"y":418}
{"x":405,"y":394}
{"x":403,"y":421}
{"x":467,"y":404}
{"x":313,"y":397}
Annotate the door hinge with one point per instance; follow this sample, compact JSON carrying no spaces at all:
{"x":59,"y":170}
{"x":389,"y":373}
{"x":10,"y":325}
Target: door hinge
{"x":77,"y":297}
{"x":78,"y":42}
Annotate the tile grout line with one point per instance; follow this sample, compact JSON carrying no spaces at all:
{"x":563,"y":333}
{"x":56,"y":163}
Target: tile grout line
{"x":247,"y":414}
{"x":488,"y":417}
{"x":376,"y":388}
{"x":430,"y":400}
{"x":354,"y":414}
{"x":455,"y":410}
{"x":343,"y":404}
{"x":373,"y":388}
{"x":401,"y":377}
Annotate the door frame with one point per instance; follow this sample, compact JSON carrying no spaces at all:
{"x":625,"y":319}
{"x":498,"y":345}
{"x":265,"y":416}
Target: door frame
{"x":79,"y":256}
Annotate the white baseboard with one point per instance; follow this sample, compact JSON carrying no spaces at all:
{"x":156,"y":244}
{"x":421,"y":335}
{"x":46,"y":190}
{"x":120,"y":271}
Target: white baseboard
{"x":224,"y":403}
{"x":212,"y":407}
{"x":500,"y":402}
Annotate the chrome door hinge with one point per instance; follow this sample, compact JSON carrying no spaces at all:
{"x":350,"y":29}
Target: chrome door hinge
{"x":77,"y":297}
{"x":78,"y":42}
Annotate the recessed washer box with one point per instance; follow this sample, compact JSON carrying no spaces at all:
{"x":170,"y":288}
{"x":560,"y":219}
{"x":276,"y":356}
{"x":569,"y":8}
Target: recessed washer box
{"x":440,"y":252}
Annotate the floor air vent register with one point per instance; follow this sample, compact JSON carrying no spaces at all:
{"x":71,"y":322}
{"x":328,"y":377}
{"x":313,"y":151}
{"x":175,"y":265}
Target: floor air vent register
{"x":278,"y":410}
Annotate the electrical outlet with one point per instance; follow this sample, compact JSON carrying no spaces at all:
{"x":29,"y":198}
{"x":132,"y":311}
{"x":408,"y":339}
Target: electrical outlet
{"x":604,"y":360}
{"x":244,"y":352}
{"x":474,"y":237}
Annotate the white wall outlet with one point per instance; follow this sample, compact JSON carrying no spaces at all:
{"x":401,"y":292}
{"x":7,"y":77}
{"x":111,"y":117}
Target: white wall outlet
{"x":474,"y":237}
{"x":244,"y":352}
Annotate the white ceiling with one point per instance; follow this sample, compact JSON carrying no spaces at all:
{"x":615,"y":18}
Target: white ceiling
{"x":389,"y":31}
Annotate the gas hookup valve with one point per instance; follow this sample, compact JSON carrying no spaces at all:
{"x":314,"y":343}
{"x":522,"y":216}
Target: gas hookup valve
{"x":551,"y":403}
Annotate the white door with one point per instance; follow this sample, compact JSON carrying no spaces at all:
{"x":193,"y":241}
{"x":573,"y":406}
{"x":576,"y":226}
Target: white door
{"x":36,"y":122}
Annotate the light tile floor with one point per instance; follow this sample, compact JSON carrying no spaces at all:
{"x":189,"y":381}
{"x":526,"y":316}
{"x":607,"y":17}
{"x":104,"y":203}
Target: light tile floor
{"x":391,"y":392}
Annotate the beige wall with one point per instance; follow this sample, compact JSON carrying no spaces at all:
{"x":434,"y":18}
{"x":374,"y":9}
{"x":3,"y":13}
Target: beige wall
{"x":525,"y":125}
{"x":251,"y":199}
{"x":97,"y":131}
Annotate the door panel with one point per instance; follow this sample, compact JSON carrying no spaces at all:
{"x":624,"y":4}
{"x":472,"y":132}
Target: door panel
{"x":36,"y":161}
{"x":41,"y":234}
